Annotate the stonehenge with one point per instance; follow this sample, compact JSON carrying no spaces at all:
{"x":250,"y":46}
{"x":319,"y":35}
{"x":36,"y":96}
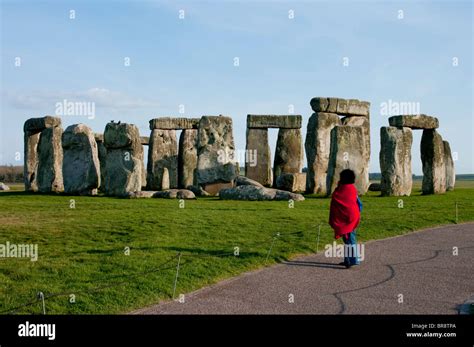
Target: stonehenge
{"x":337,"y":138}
{"x":202,"y":160}
{"x":395,"y":156}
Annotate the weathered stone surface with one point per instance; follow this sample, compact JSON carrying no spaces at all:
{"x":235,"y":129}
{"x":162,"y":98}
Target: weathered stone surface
{"x":81,"y":166}
{"x":102,"y":154}
{"x":432,"y":158}
{"x":245,"y":181}
{"x":213,"y":188}
{"x":258,"y":164}
{"x":198,"y":191}
{"x":50,"y":161}
{"x":175,"y":194}
{"x":421,"y":121}
{"x":274,"y":121}
{"x":187,"y":158}
{"x":253,"y":193}
{"x":145,"y":140}
{"x":165,"y":180}
{"x":162,"y":153}
{"x":395,"y":161}
{"x":4,"y":187}
{"x":449,"y":164}
{"x":318,"y":146}
{"x":36,"y":125}
{"x":144,"y":194}
{"x":174,"y":123}
{"x":288,"y":152}
{"x":292,"y":182}
{"x":124,"y":161}
{"x":375,"y":187}
{"x":30,"y":168}
{"x":216,"y":162}
{"x":359,"y":121}
{"x":348,"y":151}
{"x":350,"y":107}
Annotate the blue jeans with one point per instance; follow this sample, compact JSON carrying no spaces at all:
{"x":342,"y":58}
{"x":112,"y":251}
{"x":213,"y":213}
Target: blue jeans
{"x":351,"y":256}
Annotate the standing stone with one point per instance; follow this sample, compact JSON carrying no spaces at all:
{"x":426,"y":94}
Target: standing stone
{"x":216,"y":162}
{"x":187,"y":158}
{"x":162,"y":153}
{"x":258,"y":164}
{"x":359,"y":121}
{"x":102,"y":154}
{"x":50,"y":161}
{"x":395,"y":161}
{"x":318,"y":145}
{"x":288,"y":152}
{"x":432,"y":158}
{"x":124,"y":161}
{"x":449,"y":163}
{"x":348,"y":151}
{"x":81,"y":166}
{"x":292,"y":182}
{"x":30,"y":169}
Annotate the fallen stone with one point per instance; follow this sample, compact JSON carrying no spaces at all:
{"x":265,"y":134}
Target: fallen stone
{"x":258,"y":163}
{"x":144,"y":194}
{"x":198,"y":191}
{"x":432,"y":158}
{"x":175,"y":194}
{"x":395,"y":161}
{"x":449,"y":163}
{"x":4,"y":187}
{"x":375,"y":187}
{"x":253,"y":193}
{"x":213,"y":188}
{"x":162,"y":154}
{"x":187,"y":158}
{"x":414,"y":121}
{"x":348,"y":151}
{"x":216,"y":162}
{"x":50,"y":161}
{"x":288,"y":152}
{"x":318,"y":146}
{"x":174,"y":123}
{"x":292,"y":182}
{"x":124,"y":161}
{"x":81,"y":166}
{"x":245,"y":181}
{"x":274,"y":121}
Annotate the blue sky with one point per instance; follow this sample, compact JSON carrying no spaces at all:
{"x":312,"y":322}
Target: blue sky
{"x":282,"y":62}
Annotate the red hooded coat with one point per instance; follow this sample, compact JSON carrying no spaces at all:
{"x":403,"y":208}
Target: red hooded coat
{"x":344,"y":215}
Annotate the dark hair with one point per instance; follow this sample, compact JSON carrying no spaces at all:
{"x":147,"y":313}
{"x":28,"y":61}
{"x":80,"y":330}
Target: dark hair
{"x":347,"y":177}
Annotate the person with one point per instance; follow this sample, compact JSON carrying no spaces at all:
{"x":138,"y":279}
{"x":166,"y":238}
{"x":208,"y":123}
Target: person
{"x":344,"y":216}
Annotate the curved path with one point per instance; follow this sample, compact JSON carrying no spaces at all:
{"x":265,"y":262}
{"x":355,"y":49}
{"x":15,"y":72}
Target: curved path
{"x":416,"y":273}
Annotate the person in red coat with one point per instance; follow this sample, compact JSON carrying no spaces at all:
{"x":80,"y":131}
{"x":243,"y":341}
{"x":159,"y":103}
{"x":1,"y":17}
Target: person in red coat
{"x":344,"y":216}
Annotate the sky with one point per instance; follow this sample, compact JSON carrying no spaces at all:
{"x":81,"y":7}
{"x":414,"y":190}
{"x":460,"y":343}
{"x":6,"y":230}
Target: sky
{"x":138,"y":60}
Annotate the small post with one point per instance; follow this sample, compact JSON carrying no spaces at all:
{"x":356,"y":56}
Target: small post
{"x":41,"y":297}
{"x":177,"y":272}
{"x":319,"y":232}
{"x":271,"y":246}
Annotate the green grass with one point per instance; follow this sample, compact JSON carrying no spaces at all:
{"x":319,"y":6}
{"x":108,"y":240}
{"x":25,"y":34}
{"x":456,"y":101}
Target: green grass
{"x":82,"y":249}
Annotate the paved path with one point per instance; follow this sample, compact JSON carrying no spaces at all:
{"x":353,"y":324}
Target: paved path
{"x":420,"y":266}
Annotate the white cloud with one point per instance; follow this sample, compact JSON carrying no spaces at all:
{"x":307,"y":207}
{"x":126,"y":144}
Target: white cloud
{"x":102,"y":97}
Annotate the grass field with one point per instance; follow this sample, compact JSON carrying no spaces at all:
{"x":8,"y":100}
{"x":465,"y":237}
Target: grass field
{"x":82,"y":249}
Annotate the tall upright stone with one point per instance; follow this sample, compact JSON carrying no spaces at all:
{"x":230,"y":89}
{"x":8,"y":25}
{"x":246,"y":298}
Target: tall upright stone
{"x":449,"y":164}
{"x":216,"y":162}
{"x":318,"y":145}
{"x":187,"y":158}
{"x":432,"y":158}
{"x":364,"y":122}
{"x":50,"y":161}
{"x":124,"y":161}
{"x":162,"y":153}
{"x":288,"y":153}
{"x":81,"y":166}
{"x":348,"y":151}
{"x":102,"y":155}
{"x":32,"y":129}
{"x":258,"y":165}
{"x":395,"y":161}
